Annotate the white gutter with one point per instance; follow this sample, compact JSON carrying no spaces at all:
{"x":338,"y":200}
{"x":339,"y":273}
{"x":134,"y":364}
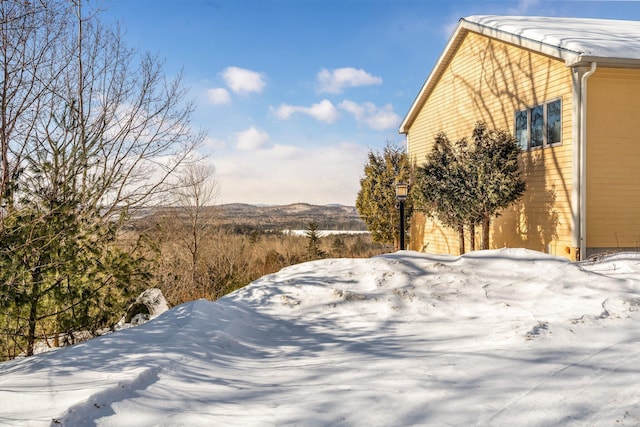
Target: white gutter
{"x":582,"y":144}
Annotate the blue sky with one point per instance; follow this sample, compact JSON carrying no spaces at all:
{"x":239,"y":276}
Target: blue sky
{"x":294,"y":93}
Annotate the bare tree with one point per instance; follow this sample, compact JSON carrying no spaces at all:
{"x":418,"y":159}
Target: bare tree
{"x":29,"y":65}
{"x":91,"y":131}
{"x":197,"y":190}
{"x":114,"y":128}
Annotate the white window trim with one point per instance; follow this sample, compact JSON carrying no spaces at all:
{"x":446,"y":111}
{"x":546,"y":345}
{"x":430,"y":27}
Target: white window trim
{"x":545,"y":124}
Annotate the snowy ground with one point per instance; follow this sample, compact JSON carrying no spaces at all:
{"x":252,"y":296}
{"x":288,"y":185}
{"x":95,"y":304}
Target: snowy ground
{"x":500,"y":338}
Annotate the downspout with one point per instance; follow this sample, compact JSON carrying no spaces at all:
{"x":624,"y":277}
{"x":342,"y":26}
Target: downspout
{"x":406,"y":142}
{"x":583,"y":160}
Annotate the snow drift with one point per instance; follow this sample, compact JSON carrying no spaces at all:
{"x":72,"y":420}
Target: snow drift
{"x":504,"y":337}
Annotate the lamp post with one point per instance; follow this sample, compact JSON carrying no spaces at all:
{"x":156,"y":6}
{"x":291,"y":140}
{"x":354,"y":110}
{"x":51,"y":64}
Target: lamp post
{"x":402,"y":190}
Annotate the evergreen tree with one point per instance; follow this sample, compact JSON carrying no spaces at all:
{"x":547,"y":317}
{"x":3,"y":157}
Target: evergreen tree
{"x":313,"y":247}
{"x":468,"y":183}
{"x":60,"y":272}
{"x":499,"y":182}
{"x":338,"y":246}
{"x":376,"y":202}
{"x":441,"y":187}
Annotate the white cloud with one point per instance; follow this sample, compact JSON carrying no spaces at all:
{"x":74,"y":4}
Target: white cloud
{"x":251,"y":139}
{"x":323,"y":111}
{"x":286,"y":174}
{"x":368,"y":113}
{"x":243,"y":81}
{"x":337,"y":80}
{"x":523,"y":7}
{"x":218,"y":96}
{"x":284,"y":152}
{"x":214,"y":143}
{"x":285,"y":111}
{"x":354,"y":108}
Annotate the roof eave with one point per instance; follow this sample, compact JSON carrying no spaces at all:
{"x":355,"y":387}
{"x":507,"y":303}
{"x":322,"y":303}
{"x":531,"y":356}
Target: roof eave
{"x":608,"y":62}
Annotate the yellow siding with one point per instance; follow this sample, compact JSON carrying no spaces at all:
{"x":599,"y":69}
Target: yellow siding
{"x":613,"y":159}
{"x":490,"y":80}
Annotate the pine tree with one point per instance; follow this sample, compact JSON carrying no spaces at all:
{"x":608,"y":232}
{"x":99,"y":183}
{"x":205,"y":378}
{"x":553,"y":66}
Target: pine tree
{"x":313,"y":247}
{"x":376,"y":202}
{"x":60,"y":272}
{"x":338,"y":246}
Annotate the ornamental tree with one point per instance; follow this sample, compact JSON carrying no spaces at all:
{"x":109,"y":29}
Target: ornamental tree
{"x":441,"y":185}
{"x":468,"y":182}
{"x":499,"y":182}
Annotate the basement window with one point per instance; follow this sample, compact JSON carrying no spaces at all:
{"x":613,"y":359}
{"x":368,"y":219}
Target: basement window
{"x":539,"y":126}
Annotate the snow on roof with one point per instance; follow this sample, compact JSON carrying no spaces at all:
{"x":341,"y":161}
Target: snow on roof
{"x":576,"y":41}
{"x":590,"y":39}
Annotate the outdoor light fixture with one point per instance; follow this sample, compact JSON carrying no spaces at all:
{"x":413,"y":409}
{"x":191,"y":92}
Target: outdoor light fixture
{"x":402,"y":191}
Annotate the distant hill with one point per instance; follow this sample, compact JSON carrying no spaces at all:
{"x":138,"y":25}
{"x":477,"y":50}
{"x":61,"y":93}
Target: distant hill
{"x":297,"y":216}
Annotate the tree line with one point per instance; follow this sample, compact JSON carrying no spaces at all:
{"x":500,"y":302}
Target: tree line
{"x":198,"y":256}
{"x":463,"y":184}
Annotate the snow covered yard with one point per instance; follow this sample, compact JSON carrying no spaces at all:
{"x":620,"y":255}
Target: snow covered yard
{"x":507,"y":337}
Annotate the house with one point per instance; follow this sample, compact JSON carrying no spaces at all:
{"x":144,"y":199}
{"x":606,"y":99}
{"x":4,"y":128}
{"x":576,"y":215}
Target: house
{"x":569,"y":91}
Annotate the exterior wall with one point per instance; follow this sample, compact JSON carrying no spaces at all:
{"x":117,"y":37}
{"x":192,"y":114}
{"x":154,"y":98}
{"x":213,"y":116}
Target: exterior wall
{"x":490,"y":80}
{"x":613,"y":160}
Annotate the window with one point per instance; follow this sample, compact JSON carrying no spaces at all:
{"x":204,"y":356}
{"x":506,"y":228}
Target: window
{"x":554,"y":122}
{"x":539,"y":126}
{"x":522,"y":129}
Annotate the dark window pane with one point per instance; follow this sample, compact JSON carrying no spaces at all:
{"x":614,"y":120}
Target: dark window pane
{"x":537,"y":126}
{"x":554,"y":122}
{"x":521,"y":129}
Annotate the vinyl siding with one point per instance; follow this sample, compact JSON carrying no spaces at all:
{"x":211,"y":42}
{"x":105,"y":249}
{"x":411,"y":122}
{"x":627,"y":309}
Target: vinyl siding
{"x":613,"y":159}
{"x":490,"y":80}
